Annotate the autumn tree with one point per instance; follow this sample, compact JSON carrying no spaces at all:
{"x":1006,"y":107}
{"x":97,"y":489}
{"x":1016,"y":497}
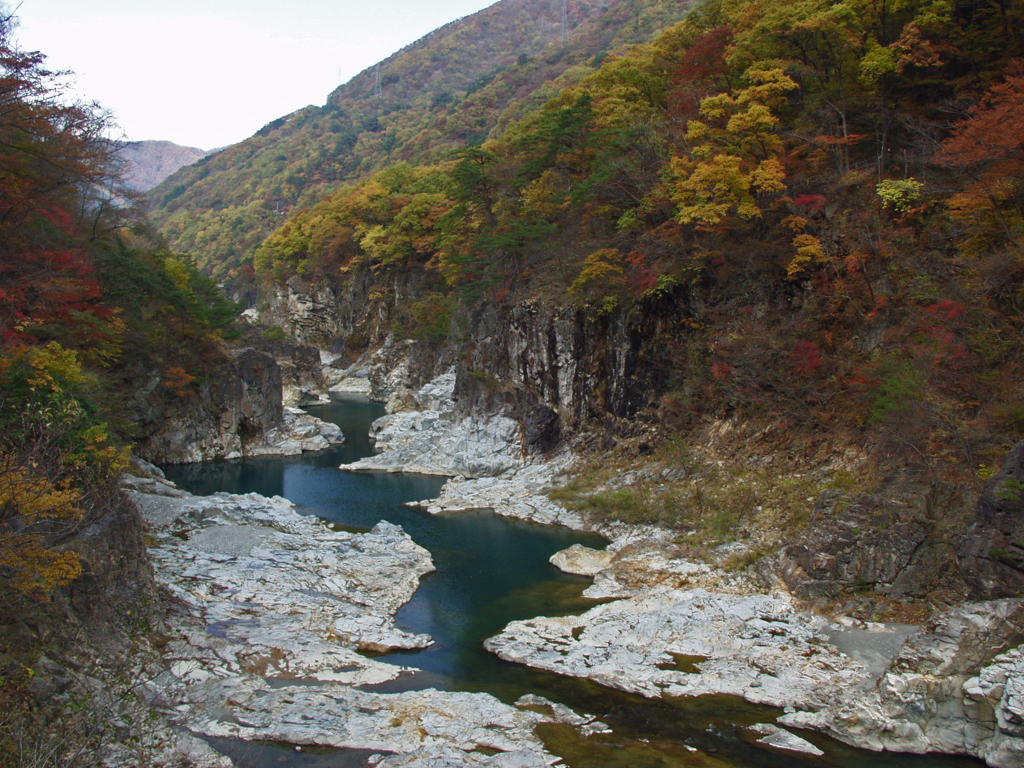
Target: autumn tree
{"x":55,"y":198}
{"x":734,"y":152}
{"x":988,"y":149}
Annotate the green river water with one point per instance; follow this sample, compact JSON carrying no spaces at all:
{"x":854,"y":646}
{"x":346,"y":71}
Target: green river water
{"x":490,"y":571}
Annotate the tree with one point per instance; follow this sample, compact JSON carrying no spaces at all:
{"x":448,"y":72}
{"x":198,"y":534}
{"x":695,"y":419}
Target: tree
{"x":734,"y":152}
{"x":988,"y":148}
{"x":56,"y":183}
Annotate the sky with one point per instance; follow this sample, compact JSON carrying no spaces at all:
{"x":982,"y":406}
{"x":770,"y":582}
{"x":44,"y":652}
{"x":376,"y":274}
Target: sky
{"x":208,"y":73}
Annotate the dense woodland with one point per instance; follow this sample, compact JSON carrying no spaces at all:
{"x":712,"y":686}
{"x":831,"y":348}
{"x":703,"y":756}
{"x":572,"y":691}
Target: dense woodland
{"x":451,"y":89}
{"x":830,"y":192}
{"x":90,"y":305}
{"x":833,"y":190}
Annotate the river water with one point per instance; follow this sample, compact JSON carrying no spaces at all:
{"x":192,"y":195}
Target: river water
{"x":490,"y":571}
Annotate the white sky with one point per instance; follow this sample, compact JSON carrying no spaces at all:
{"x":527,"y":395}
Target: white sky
{"x":207,"y":73}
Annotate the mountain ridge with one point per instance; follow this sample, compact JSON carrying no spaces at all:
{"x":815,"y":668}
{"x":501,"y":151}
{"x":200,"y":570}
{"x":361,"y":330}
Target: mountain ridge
{"x":221,"y":208}
{"x":148,"y":162}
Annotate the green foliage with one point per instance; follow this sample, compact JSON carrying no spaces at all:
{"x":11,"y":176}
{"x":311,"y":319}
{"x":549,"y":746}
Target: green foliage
{"x":895,"y":393}
{"x":764,"y":154}
{"x":1010,"y":490}
{"x":464,"y":82}
{"x":89,"y":304}
{"x":58,"y":468}
{"x":432,"y":319}
{"x":899,"y":194}
{"x":273,"y":333}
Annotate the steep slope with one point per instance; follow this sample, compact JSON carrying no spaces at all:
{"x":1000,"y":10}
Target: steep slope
{"x":727,"y":268}
{"x":450,"y":89}
{"x":147,"y":163}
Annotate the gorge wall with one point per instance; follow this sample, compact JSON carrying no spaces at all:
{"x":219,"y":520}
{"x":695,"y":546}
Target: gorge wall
{"x":594,"y":382}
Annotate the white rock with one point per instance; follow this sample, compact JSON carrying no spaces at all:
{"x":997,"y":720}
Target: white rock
{"x":423,"y":433}
{"x":298,"y":432}
{"x":581,"y":560}
{"x":779,"y":738}
{"x":757,"y":647}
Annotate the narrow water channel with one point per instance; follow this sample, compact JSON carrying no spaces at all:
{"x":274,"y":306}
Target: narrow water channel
{"x":490,"y":571}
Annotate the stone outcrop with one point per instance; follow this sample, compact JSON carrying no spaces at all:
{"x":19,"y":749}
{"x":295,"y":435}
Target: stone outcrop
{"x":991,"y":553}
{"x":565,"y":368}
{"x":424,"y":432}
{"x":237,"y":411}
{"x":690,"y":643}
{"x":954,"y":687}
{"x":242,"y":563}
{"x":687,"y":629}
{"x":298,"y":432}
{"x":580,"y":560}
{"x":269,"y":611}
{"x":239,"y":399}
{"x":303,"y":378}
{"x":307,"y":311}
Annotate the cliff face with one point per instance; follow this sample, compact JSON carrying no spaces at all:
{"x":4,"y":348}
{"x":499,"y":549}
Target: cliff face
{"x":562,"y":370}
{"x":239,"y":402}
{"x":992,"y":552}
{"x":595,"y":382}
{"x":147,"y":163}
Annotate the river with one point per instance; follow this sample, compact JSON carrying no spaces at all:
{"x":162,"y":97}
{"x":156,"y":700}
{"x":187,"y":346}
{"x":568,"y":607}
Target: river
{"x":490,"y":571}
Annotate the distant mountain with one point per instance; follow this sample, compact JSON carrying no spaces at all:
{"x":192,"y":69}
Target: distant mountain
{"x":455,"y":87}
{"x":147,"y":163}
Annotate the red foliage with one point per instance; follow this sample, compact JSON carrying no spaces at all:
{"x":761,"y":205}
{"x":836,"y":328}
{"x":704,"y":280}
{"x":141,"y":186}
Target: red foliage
{"x":810,"y":202}
{"x":645,"y":280}
{"x":53,"y":161}
{"x":805,"y":358}
{"x":994,"y":133}
{"x":860,"y":380}
{"x":692,"y":81}
{"x":720,"y":370}
{"x":947,"y":310}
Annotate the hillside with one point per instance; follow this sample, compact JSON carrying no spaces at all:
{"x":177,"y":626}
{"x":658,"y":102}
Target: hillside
{"x":147,"y":163}
{"x":784,"y":240}
{"x":452,"y":88}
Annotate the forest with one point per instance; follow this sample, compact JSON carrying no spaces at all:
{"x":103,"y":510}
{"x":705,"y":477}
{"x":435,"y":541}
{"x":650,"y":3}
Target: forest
{"x":91,"y":304}
{"x":832,"y":189}
{"x":823,"y":200}
{"x":449,"y":90}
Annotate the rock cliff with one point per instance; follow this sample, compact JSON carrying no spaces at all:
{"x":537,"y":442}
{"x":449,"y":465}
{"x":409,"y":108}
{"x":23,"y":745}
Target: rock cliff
{"x":236,"y":411}
{"x":992,"y":551}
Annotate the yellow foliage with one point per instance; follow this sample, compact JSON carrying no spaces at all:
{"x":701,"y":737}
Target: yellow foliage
{"x":598,"y":266}
{"x":35,"y":497}
{"x":769,"y":176}
{"x":734,"y":151}
{"x":53,"y":363}
{"x":808,"y":251}
{"x":544,"y":195}
{"x":29,"y":504}
{"x":37,"y":569}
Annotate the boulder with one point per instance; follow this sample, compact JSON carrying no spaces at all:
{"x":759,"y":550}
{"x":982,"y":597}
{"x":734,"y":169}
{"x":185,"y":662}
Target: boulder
{"x":580,"y":560}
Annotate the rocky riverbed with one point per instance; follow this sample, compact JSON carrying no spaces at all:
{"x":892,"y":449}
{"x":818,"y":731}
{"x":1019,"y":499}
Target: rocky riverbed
{"x":270,"y":615}
{"x":683,"y":628}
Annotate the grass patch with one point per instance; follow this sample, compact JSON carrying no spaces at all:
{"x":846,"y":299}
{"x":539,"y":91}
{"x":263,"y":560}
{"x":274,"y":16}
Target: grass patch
{"x":707,"y":501}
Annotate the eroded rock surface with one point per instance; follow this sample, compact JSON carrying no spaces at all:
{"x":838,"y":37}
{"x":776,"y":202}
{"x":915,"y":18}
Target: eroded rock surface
{"x":991,"y":553}
{"x":297,"y":432}
{"x":687,"y":629}
{"x":580,"y":560}
{"x":952,"y":688}
{"x":690,"y":643}
{"x":240,"y":565}
{"x":269,"y":610}
{"x":423,"y":432}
